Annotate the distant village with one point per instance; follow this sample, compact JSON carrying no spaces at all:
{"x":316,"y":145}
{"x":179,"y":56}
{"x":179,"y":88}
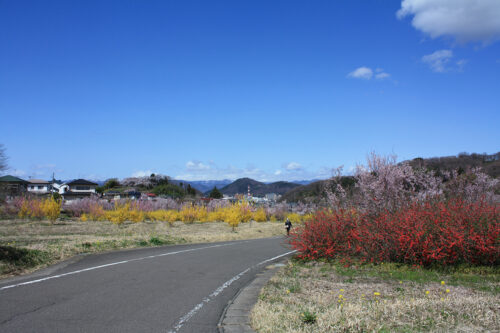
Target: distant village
{"x":82,"y":188}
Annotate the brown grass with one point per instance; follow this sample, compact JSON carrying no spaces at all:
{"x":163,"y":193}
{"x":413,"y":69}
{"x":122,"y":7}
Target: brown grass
{"x":340,"y":303}
{"x":65,"y":239}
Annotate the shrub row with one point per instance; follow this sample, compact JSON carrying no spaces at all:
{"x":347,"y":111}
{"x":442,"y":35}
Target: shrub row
{"x":232,"y":214}
{"x":48,"y":208}
{"x":425,"y":234}
{"x":137,"y":211}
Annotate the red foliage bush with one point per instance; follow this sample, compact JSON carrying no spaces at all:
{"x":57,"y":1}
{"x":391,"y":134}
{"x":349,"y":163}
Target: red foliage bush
{"x":426,"y":234}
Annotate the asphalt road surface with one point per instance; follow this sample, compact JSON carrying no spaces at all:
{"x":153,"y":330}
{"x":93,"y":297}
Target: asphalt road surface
{"x":182,"y":288}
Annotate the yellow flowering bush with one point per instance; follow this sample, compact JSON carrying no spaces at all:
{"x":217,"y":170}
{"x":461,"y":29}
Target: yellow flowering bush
{"x":216,"y":215}
{"x":190,"y":214}
{"x":119,"y":214}
{"x":36,"y":208}
{"x":24,"y":211}
{"x":135,"y":215}
{"x":306,"y":217}
{"x":294,"y":218}
{"x":163,"y":215}
{"x":51,"y":209}
{"x":259,"y":215}
{"x":232,"y":215}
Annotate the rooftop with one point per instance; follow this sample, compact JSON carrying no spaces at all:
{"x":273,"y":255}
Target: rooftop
{"x":37,"y":181}
{"x":81,"y":182}
{"x":12,"y":179}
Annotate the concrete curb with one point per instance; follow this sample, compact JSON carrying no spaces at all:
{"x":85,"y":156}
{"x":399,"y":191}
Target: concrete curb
{"x":236,"y":315}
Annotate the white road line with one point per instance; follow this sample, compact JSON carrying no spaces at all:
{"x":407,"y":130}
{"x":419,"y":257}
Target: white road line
{"x":113,"y":264}
{"x":217,"y":291}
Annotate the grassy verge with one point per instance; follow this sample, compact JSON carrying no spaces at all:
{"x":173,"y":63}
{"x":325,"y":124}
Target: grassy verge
{"x":27,"y":245}
{"x":328,"y":297}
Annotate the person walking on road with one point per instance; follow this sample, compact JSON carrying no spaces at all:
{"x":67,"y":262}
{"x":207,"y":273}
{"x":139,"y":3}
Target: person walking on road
{"x":288,"y":226}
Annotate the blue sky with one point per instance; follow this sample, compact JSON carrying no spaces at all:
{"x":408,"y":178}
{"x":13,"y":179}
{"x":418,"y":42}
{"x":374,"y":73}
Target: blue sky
{"x":272,"y":90}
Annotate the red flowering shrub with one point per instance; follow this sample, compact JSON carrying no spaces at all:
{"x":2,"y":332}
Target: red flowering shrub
{"x":431,"y":233}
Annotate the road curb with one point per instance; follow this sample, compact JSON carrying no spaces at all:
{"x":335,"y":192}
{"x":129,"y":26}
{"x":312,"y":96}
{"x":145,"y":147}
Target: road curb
{"x":236,"y":315}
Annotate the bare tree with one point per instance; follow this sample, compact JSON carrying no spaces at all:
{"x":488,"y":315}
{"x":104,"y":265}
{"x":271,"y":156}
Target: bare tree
{"x":3,"y":159}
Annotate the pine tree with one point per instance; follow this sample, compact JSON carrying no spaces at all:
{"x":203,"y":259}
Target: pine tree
{"x":215,"y":193}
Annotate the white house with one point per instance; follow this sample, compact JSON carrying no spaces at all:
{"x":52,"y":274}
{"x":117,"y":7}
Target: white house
{"x":76,"y":189}
{"x":39,"y":186}
{"x":60,"y":188}
{"x":82,"y":186}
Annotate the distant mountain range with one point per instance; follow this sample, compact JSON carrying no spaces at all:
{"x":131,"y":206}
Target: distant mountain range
{"x":241,"y":185}
{"x":257,"y":188}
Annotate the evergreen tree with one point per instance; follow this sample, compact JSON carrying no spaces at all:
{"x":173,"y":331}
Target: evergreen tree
{"x":215,"y":193}
{"x":190,"y":191}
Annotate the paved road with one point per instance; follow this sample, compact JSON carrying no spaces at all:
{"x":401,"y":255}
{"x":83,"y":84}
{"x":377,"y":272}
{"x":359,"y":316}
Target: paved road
{"x":180,"y":288}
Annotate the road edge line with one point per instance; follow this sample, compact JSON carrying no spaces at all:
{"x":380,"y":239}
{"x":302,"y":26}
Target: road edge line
{"x":243,"y":302}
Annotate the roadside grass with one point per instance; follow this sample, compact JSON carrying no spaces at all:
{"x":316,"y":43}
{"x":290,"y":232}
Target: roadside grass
{"x":15,"y":259}
{"x":28,"y":245}
{"x":328,"y":297}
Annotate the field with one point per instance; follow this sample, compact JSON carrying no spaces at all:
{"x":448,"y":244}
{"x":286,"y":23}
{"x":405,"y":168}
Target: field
{"x":27,"y":245}
{"x":328,"y":297}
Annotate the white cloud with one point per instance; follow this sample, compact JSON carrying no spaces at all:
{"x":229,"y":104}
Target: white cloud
{"x":463,"y":20}
{"x":440,"y":61}
{"x":366,"y":73}
{"x":142,"y":173}
{"x":196,"y":166}
{"x":383,"y":75}
{"x":293,"y":166}
{"x":461,"y":64}
{"x":361,"y":73}
{"x":289,"y":172}
{"x":215,"y":173}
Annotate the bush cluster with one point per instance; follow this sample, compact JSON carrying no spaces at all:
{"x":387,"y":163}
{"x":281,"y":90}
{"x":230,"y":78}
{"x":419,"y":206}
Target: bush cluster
{"x":48,"y":208}
{"x":425,"y":234}
{"x":131,"y":211}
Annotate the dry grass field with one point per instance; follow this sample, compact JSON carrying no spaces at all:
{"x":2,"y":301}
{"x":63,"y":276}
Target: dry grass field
{"x":27,"y":245}
{"x":324,"y":297}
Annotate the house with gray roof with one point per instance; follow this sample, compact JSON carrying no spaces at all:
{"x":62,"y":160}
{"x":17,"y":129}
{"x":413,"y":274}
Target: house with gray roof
{"x":78,"y":188}
{"x":39,"y":186}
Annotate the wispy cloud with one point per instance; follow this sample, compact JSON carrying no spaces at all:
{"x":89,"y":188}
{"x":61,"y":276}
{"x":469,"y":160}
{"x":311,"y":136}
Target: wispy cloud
{"x":293,"y":166}
{"x":438,"y":60}
{"x":382,"y":76}
{"x":441,"y":61}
